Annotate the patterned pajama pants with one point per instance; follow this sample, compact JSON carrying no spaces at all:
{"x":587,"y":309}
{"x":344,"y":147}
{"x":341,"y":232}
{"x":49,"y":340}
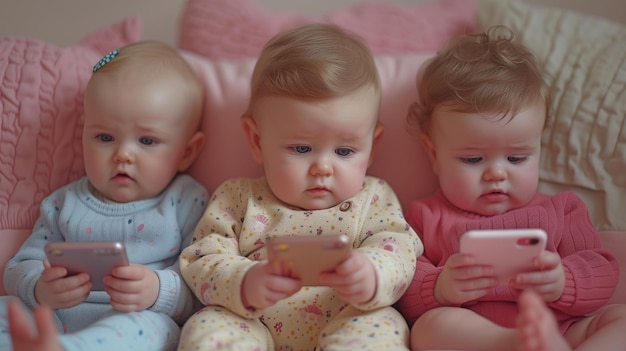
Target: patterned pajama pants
{"x":216,"y":328}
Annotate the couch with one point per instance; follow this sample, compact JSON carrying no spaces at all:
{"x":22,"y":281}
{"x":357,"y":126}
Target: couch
{"x":584,"y":56}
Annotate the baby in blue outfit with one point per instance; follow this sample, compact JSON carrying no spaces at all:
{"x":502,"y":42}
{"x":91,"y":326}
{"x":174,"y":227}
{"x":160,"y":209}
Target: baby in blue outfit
{"x":142,"y":112}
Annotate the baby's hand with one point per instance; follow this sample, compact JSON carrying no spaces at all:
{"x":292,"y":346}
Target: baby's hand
{"x":23,"y":336}
{"x":354,"y":280}
{"x":462,"y":280}
{"x":548,"y":280}
{"x":132,"y":288}
{"x":58,"y":290}
{"x":262,"y":288}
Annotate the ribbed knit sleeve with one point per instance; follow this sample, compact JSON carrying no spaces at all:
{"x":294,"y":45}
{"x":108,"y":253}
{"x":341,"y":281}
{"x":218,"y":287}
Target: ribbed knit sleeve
{"x":420,"y":296}
{"x":591,"y":272}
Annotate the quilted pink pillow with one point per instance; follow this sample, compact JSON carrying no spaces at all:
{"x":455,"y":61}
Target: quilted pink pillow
{"x":41,"y":104}
{"x":228,"y":29}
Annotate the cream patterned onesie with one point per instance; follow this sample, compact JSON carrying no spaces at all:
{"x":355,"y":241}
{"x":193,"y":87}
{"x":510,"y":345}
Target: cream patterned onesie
{"x":242,"y":216}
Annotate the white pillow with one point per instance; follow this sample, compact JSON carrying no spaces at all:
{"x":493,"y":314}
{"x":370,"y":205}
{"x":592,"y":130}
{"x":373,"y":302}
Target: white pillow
{"x":584,"y":146}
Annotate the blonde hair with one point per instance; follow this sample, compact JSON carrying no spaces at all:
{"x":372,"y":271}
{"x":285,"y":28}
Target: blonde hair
{"x":152,"y":61}
{"x":479,"y":73}
{"x":315,"y":61}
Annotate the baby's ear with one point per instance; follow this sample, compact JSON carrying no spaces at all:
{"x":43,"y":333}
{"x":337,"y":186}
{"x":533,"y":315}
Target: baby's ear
{"x":429,"y":147}
{"x":378,"y":134}
{"x":194,"y":146}
{"x":254,"y":138}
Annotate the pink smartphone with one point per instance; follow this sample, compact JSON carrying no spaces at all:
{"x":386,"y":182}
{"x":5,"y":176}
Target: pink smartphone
{"x":509,"y":251}
{"x":97,"y":258}
{"x":305,"y":257}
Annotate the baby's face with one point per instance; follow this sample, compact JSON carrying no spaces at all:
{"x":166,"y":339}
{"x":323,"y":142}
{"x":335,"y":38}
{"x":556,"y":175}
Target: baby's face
{"x":315,"y":153}
{"x":487,"y":164}
{"x":135,"y":136}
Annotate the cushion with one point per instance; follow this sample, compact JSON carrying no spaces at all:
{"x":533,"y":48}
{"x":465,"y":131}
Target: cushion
{"x":239,"y":28}
{"x":584,"y":146}
{"x":41,"y":104}
{"x":399,"y":158}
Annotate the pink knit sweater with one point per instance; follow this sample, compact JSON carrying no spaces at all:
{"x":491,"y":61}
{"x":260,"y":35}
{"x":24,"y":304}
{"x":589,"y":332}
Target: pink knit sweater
{"x":591,"y":273}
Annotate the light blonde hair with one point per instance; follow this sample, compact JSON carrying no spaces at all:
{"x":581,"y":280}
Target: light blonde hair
{"x":480,"y":73}
{"x":152,"y":61}
{"x":315,"y":61}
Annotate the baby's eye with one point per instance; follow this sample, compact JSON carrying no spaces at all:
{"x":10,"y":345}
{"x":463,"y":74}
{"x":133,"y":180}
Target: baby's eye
{"x":516,"y":159}
{"x":471,"y":160}
{"x":146,"y":141}
{"x":301,"y":149}
{"x":343,"y":152}
{"x":105,"y":138}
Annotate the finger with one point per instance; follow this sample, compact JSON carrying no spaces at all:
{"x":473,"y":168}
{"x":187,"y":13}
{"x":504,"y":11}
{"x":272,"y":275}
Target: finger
{"x":351,"y":264}
{"x":268,"y":298}
{"x":45,"y":322}
{"x":131,"y":272}
{"x":336,"y":281}
{"x":547,"y":260}
{"x":286,"y":288}
{"x":536,"y":278}
{"x":123,"y":307}
{"x":480,"y":284}
{"x":460,"y":260}
{"x":19,"y":325}
{"x":473,"y":272}
{"x":79,"y":282}
{"x":122,"y":298}
{"x":52,"y":273}
{"x":120,"y":285}
{"x":470,"y":295}
{"x":73,"y":296}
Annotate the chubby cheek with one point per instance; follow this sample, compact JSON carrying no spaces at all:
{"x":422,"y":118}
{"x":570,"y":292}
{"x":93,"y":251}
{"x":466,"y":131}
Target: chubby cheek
{"x":282,"y":180}
{"x":526,"y":187}
{"x":459,"y":185}
{"x":364,"y":166}
{"x":363,"y":170}
{"x":93,"y":166}
{"x":160,"y":169}
{"x":459,"y":193}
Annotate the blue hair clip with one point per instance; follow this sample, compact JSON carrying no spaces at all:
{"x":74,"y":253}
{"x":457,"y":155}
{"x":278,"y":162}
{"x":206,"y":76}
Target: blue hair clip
{"x":106,"y":59}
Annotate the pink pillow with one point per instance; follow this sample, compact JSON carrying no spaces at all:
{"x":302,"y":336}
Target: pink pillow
{"x":41,"y":104}
{"x":399,"y":158}
{"x":228,"y":29}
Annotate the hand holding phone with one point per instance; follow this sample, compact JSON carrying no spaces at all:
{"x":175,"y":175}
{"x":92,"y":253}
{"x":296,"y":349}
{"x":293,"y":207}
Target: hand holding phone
{"x":305,"y":257}
{"x":509,"y":251}
{"x":94,"y":258}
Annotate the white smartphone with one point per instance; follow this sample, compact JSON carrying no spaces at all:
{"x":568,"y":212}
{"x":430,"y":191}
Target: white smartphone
{"x":509,"y":251}
{"x":305,"y":257}
{"x":95,"y":258}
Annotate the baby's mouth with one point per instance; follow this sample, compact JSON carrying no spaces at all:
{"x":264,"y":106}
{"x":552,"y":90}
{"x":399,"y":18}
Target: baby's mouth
{"x":318,"y":190}
{"x":122,"y":176}
{"x":494,"y":196}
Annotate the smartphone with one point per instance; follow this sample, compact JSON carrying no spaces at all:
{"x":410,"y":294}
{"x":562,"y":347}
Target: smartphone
{"x":305,"y":257}
{"x":97,"y":258}
{"x":508,"y":251}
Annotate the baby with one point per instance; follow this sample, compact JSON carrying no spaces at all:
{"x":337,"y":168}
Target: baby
{"x":142,"y":112}
{"x":312,"y":122}
{"x":482,"y":109}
